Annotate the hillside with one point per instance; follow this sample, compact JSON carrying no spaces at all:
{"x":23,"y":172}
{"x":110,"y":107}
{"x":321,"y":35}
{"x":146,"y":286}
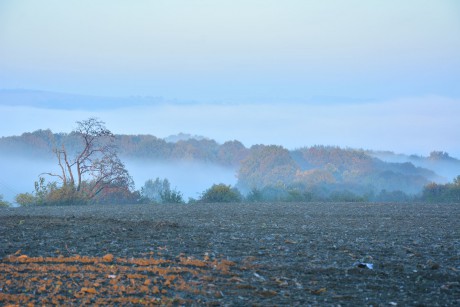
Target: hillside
{"x":446,"y":166}
{"x":319,"y":169}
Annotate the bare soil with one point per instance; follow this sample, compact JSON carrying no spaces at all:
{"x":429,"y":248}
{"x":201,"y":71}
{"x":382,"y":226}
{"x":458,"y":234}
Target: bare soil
{"x":246,"y":254}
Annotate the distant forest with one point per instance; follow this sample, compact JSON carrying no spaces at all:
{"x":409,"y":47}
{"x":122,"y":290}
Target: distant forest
{"x":269,"y":172}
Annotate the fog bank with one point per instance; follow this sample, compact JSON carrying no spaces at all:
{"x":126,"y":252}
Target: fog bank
{"x":410,"y":125}
{"x":18,"y":175}
{"x":189,"y":178}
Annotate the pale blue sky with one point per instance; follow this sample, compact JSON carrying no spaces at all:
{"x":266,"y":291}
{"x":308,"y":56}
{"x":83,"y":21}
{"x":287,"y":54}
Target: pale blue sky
{"x":402,"y":56}
{"x":233,"y":51}
{"x":374,"y":74}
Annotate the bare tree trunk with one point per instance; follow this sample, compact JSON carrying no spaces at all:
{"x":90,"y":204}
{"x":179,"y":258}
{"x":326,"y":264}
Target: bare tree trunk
{"x":79,"y":175}
{"x":58,"y":155}
{"x":69,"y":167}
{"x":96,"y":166}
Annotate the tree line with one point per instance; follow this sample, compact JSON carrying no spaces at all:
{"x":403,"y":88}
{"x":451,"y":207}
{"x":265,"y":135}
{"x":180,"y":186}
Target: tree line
{"x":91,"y":171}
{"x":159,"y":191}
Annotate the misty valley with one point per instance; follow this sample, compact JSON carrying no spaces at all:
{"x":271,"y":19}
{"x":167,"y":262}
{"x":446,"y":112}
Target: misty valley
{"x":106,"y":219}
{"x":229,"y":153}
{"x":192,"y":165}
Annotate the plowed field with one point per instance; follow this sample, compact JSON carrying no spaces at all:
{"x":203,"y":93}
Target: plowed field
{"x":232,"y":254}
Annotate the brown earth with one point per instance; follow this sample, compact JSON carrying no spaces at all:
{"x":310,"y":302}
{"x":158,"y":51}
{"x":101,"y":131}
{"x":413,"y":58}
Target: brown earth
{"x":232,"y":254}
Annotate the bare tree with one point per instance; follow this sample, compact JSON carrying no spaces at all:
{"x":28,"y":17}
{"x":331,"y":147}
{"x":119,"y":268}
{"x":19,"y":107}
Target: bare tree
{"x":95,"y":164}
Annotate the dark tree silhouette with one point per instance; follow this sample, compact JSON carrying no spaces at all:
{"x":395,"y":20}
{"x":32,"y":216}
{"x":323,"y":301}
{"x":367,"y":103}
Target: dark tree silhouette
{"x":94,"y":164}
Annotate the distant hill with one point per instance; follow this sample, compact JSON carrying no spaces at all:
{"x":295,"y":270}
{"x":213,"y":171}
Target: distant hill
{"x":330,"y":169}
{"x":319,"y":167}
{"x":440,"y":162}
{"x":183,"y":137}
{"x":39,"y":145}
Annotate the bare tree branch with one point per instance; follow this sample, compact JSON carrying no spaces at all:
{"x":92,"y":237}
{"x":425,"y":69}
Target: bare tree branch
{"x":58,"y":155}
{"x":96,"y":165}
{"x":52,"y":175}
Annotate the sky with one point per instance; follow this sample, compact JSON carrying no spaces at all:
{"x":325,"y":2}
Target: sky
{"x":368,"y":74}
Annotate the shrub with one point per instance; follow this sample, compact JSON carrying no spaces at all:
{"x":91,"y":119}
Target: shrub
{"x":26,"y":199}
{"x":221,"y":193}
{"x":392,"y":196}
{"x":3,"y":203}
{"x":159,"y":191}
{"x":117,"y":195}
{"x":172,"y":197}
{"x":50,"y":194}
{"x":345,"y":196}
{"x":255,"y":196}
{"x":449,"y":192}
{"x":279,"y":193}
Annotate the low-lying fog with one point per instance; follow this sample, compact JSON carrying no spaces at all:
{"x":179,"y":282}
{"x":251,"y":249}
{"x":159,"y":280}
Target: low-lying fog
{"x":18,"y":175}
{"x":189,"y":178}
{"x":448,"y":170}
{"x":409,"y":125}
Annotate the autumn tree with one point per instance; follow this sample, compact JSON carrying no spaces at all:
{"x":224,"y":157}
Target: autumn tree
{"x":265,"y":166}
{"x":221,"y":193}
{"x":449,"y":192}
{"x":231,"y":153}
{"x":93,"y":165}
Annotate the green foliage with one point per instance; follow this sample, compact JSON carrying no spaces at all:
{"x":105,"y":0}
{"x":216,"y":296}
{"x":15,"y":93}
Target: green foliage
{"x":42,"y":190}
{"x":159,"y":191}
{"x":270,"y":193}
{"x":345,"y":196}
{"x":296,"y":195}
{"x":449,"y":192}
{"x":221,"y":193}
{"x":64,"y":196}
{"x":255,"y":196}
{"x":153,"y":189}
{"x":334,"y":193}
{"x":192,"y":201}
{"x":26,"y":199}
{"x":279,"y":193}
{"x":3,"y":203}
{"x":172,"y":197}
{"x":50,"y":194}
{"x":392,"y":196}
